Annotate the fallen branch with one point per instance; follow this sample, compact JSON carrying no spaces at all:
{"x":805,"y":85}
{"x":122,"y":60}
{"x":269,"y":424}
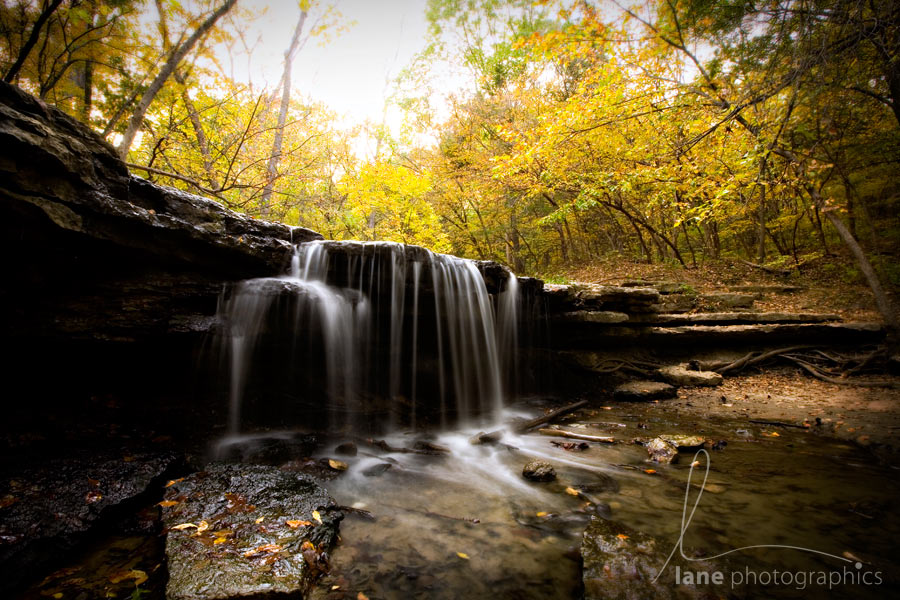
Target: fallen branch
{"x":772,"y":270}
{"x":550,"y":416}
{"x":577,"y":436}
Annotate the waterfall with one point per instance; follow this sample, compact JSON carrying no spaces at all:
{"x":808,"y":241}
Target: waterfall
{"x":370,"y":335}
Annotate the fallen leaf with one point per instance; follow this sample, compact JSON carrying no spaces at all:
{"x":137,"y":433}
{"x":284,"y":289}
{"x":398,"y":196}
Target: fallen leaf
{"x":220,"y":540}
{"x":167,"y":503}
{"x":203,"y":526}
{"x":337,"y":465}
{"x":335,"y":587}
{"x":571,"y":491}
{"x":264,"y":549}
{"x":259,"y":520}
{"x":649,"y":471}
{"x":172,"y":482}
{"x":136,"y":574}
{"x":307,"y":545}
{"x":622,"y":536}
{"x":296,"y":524}
{"x":58,"y":595}
{"x":775,"y":434}
{"x":696,"y":463}
{"x":317,"y":516}
{"x":128,"y":458}
{"x":361,"y":596}
{"x":543,"y":513}
{"x":463,"y":555}
{"x":183,"y":526}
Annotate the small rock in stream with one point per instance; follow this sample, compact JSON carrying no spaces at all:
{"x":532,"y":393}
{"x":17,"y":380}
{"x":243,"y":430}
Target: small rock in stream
{"x":346,"y":449}
{"x":539,"y":470}
{"x":376,"y":470}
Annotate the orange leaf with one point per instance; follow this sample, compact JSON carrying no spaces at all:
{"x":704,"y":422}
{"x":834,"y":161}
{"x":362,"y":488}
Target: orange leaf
{"x":649,"y":471}
{"x":167,"y":503}
{"x":622,"y":536}
{"x":265,"y":548}
{"x":571,"y":491}
{"x":361,"y":596}
{"x":296,"y":524}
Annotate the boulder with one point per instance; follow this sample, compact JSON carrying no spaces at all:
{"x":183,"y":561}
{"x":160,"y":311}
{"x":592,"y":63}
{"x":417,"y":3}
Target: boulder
{"x":48,"y":510}
{"x":680,"y":375}
{"x":644,"y":391}
{"x":661,"y":451}
{"x":539,"y":470}
{"x":240,"y":531}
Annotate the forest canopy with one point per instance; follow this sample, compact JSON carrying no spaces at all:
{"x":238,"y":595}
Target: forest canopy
{"x":673,"y":130}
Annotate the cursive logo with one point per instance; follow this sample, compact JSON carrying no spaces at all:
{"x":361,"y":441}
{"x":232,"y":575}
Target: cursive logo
{"x":687,"y":518}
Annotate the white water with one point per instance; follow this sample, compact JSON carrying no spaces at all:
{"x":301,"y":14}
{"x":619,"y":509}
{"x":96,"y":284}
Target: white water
{"x":365,"y":301}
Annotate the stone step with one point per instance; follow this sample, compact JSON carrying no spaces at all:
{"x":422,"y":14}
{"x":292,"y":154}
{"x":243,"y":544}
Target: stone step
{"x":602,"y":336}
{"x":742,"y":318}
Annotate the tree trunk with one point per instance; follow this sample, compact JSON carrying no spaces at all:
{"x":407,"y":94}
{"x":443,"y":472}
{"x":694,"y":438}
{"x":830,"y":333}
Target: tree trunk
{"x":275,"y":155}
{"x":87,"y":92}
{"x":31,"y":41}
{"x":175,"y":57}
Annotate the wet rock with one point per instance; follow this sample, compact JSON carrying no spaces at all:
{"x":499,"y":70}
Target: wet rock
{"x":684,"y":442}
{"x":644,"y":390}
{"x":486,"y":438}
{"x":680,"y":375}
{"x":237,"y":531}
{"x":662,"y":451}
{"x":539,"y":470}
{"x":622,"y":563}
{"x":346,"y":449}
{"x":376,"y":470}
{"x":47,"y":511}
{"x":665,"y":448}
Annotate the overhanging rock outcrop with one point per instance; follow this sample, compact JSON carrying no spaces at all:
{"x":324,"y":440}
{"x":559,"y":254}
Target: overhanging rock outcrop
{"x":101,"y":254}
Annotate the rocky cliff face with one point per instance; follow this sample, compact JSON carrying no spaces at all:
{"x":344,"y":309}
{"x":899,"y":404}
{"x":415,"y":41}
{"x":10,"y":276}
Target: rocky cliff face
{"x":107,"y":276}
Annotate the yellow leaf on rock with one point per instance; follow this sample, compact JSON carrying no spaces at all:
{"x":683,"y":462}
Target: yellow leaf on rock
{"x":220,"y":540}
{"x":337,"y":465}
{"x":167,"y":503}
{"x":571,"y":491}
{"x":203,"y":526}
{"x":259,"y":520}
{"x":463,"y":555}
{"x":543,"y":513}
{"x":184,"y":526}
{"x":172,"y":482}
{"x":317,"y":516}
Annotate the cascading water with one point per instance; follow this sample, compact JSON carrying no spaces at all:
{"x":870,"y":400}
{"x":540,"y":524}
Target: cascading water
{"x":371,"y":335}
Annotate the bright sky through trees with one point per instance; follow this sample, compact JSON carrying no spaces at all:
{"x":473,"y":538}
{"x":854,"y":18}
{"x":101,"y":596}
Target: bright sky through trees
{"x":350,"y":70}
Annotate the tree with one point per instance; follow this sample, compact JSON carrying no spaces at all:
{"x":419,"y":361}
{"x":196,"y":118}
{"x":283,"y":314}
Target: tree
{"x":175,"y":56}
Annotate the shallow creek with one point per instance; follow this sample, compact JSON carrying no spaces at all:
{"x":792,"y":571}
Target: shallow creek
{"x":468,"y":525}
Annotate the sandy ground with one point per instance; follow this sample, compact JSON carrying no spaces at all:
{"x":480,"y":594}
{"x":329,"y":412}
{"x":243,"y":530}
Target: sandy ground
{"x":867,"y":416}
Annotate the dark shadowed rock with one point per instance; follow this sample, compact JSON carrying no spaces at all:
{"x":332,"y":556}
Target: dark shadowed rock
{"x":539,"y":470}
{"x":242,"y":531}
{"x":644,"y":391}
{"x":47,"y":511}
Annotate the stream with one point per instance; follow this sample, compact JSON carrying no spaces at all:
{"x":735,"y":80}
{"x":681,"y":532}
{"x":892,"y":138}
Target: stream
{"x":468,"y":525}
